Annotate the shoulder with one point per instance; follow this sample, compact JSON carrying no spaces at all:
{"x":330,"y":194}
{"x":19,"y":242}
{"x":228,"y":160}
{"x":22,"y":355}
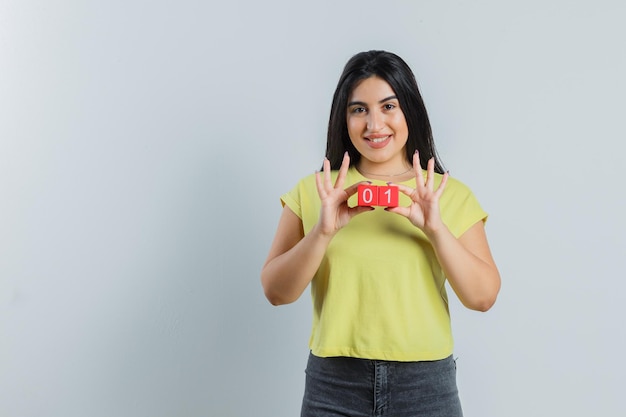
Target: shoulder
{"x":300,"y":194}
{"x":308,"y":182}
{"x":457,"y":185}
{"x":304,"y":184}
{"x":459,"y":207}
{"x":456,"y":189}
{"x":458,"y":196}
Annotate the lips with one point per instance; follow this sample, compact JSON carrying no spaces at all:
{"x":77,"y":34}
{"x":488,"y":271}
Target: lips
{"x":378,"y":141}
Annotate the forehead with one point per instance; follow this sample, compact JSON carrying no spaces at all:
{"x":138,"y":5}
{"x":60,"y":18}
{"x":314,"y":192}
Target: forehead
{"x":372,"y":88}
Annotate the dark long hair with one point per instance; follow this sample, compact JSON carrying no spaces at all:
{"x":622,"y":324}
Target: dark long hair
{"x":398,"y":75}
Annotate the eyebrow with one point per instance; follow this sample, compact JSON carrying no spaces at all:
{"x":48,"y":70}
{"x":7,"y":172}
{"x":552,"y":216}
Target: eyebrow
{"x":360,"y":103}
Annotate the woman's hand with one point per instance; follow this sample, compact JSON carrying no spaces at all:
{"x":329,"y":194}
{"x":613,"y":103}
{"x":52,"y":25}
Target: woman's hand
{"x":335,"y":212}
{"x":424,"y":211}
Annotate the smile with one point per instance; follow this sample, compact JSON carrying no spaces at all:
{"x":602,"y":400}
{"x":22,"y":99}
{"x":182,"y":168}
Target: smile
{"x":378,"y":139}
{"x":378,"y":142}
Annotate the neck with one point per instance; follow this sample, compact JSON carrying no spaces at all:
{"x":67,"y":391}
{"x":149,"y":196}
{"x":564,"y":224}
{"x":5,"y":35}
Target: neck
{"x":384,"y":171}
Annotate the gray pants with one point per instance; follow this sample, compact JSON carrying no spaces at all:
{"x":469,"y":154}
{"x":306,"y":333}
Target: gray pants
{"x":350,"y":387}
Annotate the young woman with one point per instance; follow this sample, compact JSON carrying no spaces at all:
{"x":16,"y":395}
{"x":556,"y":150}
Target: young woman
{"x":381,"y":341}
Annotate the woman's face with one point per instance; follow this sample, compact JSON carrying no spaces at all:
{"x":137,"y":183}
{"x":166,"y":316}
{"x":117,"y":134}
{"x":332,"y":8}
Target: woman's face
{"x":377,"y":126}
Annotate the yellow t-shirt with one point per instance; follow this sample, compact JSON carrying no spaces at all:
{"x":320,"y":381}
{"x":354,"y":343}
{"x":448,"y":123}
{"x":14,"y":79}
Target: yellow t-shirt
{"x":379,"y":292}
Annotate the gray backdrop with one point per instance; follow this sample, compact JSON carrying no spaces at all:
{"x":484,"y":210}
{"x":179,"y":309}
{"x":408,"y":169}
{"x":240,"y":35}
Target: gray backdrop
{"x":144,"y":146}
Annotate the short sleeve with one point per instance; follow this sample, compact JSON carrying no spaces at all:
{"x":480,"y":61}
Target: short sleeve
{"x":291,"y":199}
{"x":303,"y":201}
{"x":460,"y":208}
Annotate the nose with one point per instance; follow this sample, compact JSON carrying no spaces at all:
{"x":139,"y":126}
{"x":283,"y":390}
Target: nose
{"x":374,"y":121}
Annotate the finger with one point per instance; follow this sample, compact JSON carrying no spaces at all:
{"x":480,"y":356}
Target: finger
{"x":402,"y":211}
{"x":411,"y":192}
{"x":442,"y":184}
{"x":353,"y":211}
{"x":343,"y":170}
{"x":319,"y":184}
{"x":328,"y":185}
{"x":430,"y":173}
{"x":419,"y":176}
{"x":351,"y":190}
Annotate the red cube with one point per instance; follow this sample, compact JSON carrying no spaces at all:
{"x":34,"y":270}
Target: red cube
{"x":368,"y":195}
{"x":388,"y":196}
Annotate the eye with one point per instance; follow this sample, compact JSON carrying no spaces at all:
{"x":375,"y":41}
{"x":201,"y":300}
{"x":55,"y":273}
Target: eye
{"x":389,"y":106}
{"x":358,"y":110}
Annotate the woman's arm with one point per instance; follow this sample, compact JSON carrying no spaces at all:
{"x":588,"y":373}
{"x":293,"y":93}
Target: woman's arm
{"x":466,"y":261}
{"x":468,"y":265}
{"x":294,"y":258}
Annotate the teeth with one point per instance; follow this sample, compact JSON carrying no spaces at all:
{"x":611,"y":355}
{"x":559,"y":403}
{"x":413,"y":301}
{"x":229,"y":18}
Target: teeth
{"x":378,"y":140}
